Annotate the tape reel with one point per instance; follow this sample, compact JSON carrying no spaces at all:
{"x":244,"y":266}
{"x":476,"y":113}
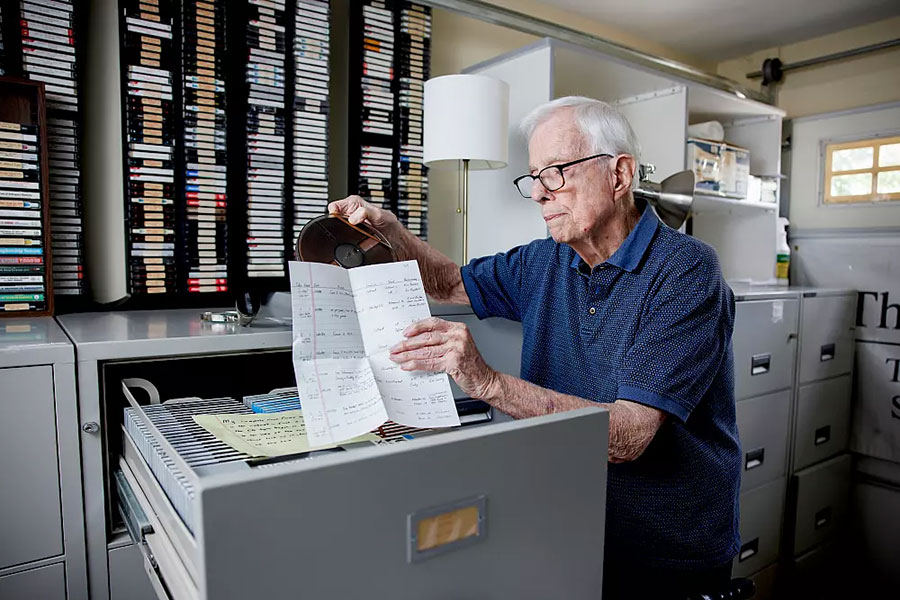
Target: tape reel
{"x":332,"y":239}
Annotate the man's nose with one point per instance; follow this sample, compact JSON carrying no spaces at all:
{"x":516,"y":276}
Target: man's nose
{"x":539,"y":193}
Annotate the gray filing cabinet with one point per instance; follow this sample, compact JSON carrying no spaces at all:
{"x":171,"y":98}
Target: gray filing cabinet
{"x":765,"y":347}
{"x":153,"y":341}
{"x":820,"y":465}
{"x":42,"y":550}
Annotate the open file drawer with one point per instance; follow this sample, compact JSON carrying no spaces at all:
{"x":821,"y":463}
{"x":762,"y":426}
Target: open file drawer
{"x":461,"y":512}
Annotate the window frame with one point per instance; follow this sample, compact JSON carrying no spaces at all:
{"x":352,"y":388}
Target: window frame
{"x":875,"y":140}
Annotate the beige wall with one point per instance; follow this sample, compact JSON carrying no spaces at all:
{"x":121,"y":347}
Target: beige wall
{"x":848,"y":83}
{"x":459,"y":42}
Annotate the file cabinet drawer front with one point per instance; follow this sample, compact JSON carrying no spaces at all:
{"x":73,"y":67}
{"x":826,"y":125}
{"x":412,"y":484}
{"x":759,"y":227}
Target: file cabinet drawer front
{"x":763,"y":428}
{"x":30,"y":517}
{"x":761,"y":512}
{"x":822,"y":502}
{"x":823,"y":420}
{"x":764,"y":346}
{"x":44,"y":583}
{"x":826,"y":336}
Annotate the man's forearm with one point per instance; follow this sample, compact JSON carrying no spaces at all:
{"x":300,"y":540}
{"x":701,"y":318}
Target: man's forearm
{"x":440,"y":275}
{"x":631,"y":426}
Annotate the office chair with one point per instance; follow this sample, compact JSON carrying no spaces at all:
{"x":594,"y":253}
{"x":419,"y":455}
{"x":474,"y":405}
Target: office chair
{"x":739,"y":588}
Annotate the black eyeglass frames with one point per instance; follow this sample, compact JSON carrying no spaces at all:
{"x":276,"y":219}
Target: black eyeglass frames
{"x":551,"y":177}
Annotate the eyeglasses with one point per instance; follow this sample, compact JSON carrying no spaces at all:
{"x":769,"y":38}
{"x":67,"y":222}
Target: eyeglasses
{"x":551,"y":177}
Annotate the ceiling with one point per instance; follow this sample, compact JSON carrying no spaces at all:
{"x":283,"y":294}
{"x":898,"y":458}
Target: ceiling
{"x":716,"y":30}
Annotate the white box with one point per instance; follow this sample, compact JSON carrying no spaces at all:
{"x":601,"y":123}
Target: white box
{"x":704,"y":157}
{"x":735,"y":171}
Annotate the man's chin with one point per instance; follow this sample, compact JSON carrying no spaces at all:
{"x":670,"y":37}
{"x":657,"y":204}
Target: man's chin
{"x":558,"y":234}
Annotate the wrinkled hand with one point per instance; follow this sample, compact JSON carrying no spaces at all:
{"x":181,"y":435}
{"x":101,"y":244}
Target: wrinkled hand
{"x":356,"y":210}
{"x":437,"y":345}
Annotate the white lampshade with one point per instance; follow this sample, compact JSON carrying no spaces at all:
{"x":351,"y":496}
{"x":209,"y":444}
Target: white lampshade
{"x":466,"y":117}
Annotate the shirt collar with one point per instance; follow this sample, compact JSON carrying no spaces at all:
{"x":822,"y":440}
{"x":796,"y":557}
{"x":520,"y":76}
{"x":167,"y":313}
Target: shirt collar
{"x":629,"y":255}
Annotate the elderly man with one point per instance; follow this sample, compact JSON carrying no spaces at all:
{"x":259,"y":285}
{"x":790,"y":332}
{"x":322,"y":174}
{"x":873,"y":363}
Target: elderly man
{"x":616,"y":308}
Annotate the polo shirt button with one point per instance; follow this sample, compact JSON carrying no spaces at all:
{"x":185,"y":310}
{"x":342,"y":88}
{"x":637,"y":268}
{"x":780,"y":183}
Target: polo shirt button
{"x":592,"y":310}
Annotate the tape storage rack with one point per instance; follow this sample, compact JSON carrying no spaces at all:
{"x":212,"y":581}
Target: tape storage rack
{"x":25,"y":265}
{"x":390,"y":50}
{"x":225,"y":113}
{"x":42,"y":42}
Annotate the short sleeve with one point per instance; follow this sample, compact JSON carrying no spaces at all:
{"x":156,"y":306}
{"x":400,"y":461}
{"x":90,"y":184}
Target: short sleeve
{"x":683,"y":337}
{"x":494,"y":284}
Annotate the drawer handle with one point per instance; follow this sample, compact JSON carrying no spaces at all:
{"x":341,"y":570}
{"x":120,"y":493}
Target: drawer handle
{"x":823,"y":434}
{"x":754,"y":458}
{"x":760,"y":363}
{"x":823,"y":517}
{"x":749,"y":549}
{"x":827,"y":352}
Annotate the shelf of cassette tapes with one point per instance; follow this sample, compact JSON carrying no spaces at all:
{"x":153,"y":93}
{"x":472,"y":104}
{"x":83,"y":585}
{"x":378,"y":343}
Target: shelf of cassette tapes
{"x":266,"y":138}
{"x":378,"y":103}
{"x":24,"y":285}
{"x":312,"y":31}
{"x":49,"y":55}
{"x":205,"y":164}
{"x":412,"y":180}
{"x":149,"y":63}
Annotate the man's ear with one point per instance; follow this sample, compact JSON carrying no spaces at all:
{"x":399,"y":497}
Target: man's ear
{"x":625,"y":171}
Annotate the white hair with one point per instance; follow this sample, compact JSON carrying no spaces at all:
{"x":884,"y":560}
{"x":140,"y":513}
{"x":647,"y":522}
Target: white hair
{"x":604,"y":129}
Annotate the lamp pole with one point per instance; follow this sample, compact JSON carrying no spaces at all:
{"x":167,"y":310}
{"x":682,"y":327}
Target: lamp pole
{"x":465,"y":187}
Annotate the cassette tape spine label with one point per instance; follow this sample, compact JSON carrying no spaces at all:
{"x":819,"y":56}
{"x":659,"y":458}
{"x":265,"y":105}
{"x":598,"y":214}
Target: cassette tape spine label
{"x":49,"y":52}
{"x":266,"y":145}
{"x":392,"y":40}
{"x":23,"y":237}
{"x":414,"y":44}
{"x":311,"y":79}
{"x":205,"y":167}
{"x":150,"y":66}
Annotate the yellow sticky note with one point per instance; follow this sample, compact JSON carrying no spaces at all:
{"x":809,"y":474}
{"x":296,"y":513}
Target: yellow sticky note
{"x":265,"y":434}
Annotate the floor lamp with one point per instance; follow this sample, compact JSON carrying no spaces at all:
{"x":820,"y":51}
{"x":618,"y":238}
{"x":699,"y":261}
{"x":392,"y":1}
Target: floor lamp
{"x":466,"y":119}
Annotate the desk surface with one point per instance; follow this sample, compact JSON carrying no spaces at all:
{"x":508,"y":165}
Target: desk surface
{"x":147,"y":333}
{"x":744,"y":291}
{"x":33,"y":341}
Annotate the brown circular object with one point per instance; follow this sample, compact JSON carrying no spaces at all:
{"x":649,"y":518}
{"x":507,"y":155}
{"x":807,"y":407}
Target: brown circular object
{"x":332,"y":239}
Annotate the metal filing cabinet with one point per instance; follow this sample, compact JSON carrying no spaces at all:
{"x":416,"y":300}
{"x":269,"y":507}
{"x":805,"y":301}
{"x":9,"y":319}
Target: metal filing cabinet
{"x":42,"y":552}
{"x":823,"y":498}
{"x":823,"y":420}
{"x":762,"y":509}
{"x":765,"y":332}
{"x":763,"y":424}
{"x":765,"y":347}
{"x":151,"y":340}
{"x":819,"y":489}
{"x":827,"y":334}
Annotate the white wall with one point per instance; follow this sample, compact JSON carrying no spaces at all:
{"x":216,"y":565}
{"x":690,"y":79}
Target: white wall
{"x":806,"y":176}
{"x":499,"y":217}
{"x":459,"y":42}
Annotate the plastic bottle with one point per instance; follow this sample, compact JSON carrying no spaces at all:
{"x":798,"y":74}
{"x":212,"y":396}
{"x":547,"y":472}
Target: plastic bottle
{"x":782,"y":252}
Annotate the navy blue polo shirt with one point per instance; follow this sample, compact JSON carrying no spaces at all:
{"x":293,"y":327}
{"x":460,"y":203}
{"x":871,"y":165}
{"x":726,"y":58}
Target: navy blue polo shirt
{"x":652,"y":325}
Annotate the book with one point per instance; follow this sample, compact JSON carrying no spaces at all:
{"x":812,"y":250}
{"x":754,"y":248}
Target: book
{"x":345,"y":322}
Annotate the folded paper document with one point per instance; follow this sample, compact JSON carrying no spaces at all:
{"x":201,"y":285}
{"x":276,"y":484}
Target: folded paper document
{"x":344,"y":324}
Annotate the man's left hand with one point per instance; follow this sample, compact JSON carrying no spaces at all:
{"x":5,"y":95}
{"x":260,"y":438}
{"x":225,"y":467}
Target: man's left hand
{"x":437,"y":345}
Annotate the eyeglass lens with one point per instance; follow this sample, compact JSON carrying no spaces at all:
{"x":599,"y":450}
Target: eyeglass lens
{"x":551,"y":179}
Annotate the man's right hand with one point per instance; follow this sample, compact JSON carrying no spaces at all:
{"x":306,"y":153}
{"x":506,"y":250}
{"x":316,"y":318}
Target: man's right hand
{"x":356,"y":210}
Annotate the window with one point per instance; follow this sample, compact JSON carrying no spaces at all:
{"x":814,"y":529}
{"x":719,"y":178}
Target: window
{"x":862,"y":171}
